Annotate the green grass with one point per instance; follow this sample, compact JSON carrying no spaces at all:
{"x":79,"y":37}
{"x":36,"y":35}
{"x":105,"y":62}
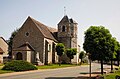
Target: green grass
{"x":112,"y":75}
{"x":54,"y":66}
{"x":51,"y":66}
{"x":4,"y":71}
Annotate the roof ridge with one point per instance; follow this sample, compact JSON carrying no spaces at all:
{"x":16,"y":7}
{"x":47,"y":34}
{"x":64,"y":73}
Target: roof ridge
{"x":4,"y":40}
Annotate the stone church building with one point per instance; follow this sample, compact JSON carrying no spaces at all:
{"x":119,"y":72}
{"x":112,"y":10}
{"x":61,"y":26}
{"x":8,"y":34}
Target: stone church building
{"x":36,"y":42}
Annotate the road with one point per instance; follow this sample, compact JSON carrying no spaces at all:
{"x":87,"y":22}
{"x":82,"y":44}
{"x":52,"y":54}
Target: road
{"x":61,"y":73}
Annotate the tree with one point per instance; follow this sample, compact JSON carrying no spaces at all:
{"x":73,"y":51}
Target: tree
{"x":10,"y":43}
{"x":113,"y":48}
{"x":118,"y":53}
{"x":71,"y":52}
{"x":60,"y":48}
{"x":96,"y":43}
{"x":81,"y":56}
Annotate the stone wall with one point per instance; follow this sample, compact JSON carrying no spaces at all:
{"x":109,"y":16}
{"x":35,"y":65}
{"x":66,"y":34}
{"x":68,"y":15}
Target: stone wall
{"x":31,"y":34}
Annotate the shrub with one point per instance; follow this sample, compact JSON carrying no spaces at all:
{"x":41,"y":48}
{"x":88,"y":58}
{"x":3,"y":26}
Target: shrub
{"x":19,"y":65}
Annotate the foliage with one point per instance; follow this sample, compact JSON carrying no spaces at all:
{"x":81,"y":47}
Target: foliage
{"x":112,"y":75}
{"x":60,"y":48}
{"x":71,"y":52}
{"x":97,"y":40}
{"x":99,"y":44}
{"x":82,"y":55}
{"x":19,"y":65}
{"x":10,"y":43}
{"x":117,"y":53}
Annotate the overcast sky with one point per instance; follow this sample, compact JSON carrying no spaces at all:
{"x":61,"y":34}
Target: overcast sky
{"x":86,"y":13}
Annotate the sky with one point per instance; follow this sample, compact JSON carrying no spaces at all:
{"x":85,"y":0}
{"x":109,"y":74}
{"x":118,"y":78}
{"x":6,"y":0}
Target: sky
{"x":86,"y":13}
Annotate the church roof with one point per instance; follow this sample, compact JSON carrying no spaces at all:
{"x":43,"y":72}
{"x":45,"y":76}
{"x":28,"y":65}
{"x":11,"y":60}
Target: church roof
{"x":52,"y":29}
{"x":44,"y":29}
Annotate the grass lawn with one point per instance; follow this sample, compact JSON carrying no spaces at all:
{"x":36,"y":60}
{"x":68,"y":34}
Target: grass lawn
{"x":3,"y":71}
{"x":53,"y":66}
{"x":112,"y":75}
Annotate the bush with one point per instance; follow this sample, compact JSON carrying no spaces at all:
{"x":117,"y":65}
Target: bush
{"x":19,"y":65}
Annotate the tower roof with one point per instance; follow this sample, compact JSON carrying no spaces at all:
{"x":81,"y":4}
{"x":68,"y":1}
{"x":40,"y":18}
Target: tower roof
{"x":66,"y":19}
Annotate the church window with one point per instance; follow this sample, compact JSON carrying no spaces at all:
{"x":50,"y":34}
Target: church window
{"x":63,"y":28}
{"x":27,"y":34}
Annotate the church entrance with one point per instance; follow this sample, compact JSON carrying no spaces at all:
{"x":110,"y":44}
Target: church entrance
{"x":19,"y":56}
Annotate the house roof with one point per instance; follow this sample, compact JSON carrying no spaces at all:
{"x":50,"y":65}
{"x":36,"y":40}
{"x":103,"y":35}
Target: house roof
{"x":3,"y":46}
{"x":4,"y":40}
{"x":44,"y":29}
{"x":1,"y":51}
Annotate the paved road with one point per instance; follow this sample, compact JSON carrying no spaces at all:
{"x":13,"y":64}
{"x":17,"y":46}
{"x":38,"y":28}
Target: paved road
{"x":62,"y":73}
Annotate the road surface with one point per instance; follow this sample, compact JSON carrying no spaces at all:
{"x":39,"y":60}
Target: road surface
{"x":61,"y":73}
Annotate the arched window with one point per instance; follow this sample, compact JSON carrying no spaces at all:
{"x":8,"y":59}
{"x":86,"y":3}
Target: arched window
{"x":63,"y":28}
{"x":19,"y":56}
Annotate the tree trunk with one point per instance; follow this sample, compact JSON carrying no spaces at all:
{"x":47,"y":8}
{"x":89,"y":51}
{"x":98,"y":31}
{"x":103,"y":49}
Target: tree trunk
{"x":81,"y":62}
{"x":102,"y":67}
{"x":90,"y":71}
{"x":118,"y":62}
{"x":59,"y":60}
{"x":111,"y":65}
{"x":70,"y":61}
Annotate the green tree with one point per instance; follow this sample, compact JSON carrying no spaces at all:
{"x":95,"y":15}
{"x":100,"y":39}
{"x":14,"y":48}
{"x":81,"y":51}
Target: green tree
{"x":81,"y":56}
{"x":71,"y":52}
{"x":118,"y":53}
{"x":113,"y":48}
{"x":60,"y":48}
{"x":96,"y":43}
{"x":10,"y":43}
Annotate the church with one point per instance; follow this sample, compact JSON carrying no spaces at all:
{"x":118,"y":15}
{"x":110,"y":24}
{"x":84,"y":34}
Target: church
{"x":36,"y":42}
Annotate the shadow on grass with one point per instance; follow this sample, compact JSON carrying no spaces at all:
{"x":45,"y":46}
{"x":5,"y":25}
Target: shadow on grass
{"x":84,"y":77}
{"x":94,"y":75}
{"x":60,"y":78}
{"x":80,"y":77}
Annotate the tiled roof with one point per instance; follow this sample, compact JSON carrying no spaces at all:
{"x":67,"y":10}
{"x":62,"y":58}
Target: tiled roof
{"x":44,"y":29}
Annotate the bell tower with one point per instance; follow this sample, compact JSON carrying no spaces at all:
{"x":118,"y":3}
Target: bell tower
{"x":67,"y":32}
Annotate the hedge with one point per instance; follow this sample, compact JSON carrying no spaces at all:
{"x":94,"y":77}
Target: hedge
{"x":19,"y":65}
